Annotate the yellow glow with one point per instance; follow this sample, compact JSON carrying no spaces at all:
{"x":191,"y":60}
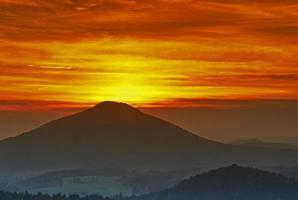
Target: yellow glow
{"x":145,"y":53}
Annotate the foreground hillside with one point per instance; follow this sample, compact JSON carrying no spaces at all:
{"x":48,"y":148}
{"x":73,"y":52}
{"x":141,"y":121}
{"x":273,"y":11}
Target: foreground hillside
{"x":228,"y":183}
{"x":231,"y":183}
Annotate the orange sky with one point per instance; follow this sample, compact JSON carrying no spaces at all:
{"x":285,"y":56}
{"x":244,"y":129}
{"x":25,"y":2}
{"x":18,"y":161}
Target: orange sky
{"x":74,"y":53}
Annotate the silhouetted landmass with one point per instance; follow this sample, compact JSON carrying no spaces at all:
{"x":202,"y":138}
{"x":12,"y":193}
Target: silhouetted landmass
{"x":109,"y":134}
{"x":230,"y":183}
{"x":116,"y":134}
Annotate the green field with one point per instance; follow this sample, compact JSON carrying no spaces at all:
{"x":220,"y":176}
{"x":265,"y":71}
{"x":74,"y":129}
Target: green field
{"x":83,"y":185}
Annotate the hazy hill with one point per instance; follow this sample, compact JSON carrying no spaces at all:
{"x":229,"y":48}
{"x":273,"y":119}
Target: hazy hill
{"x":117,"y":135}
{"x":230,"y":183}
{"x":101,"y":181}
{"x":265,"y":144}
{"x":227,"y":183}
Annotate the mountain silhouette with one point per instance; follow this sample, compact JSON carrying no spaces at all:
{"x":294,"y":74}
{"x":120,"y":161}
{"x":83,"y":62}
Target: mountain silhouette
{"x":232,"y":182}
{"x":113,"y":134}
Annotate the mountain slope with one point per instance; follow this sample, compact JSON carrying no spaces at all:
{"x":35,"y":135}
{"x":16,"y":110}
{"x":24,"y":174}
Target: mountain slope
{"x":115,"y":134}
{"x":231,"y":182}
{"x":109,"y":134}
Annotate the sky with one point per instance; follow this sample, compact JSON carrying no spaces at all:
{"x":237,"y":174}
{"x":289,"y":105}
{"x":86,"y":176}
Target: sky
{"x":61,"y":56}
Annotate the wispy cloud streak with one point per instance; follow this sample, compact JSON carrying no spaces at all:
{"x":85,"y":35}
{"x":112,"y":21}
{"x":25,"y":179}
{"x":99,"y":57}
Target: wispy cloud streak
{"x":147,"y":52}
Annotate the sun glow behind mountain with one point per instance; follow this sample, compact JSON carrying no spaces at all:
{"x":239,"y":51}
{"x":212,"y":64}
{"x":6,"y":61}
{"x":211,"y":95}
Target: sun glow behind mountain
{"x":76,"y":53}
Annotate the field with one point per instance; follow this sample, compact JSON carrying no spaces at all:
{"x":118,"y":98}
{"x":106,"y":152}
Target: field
{"x":84,"y":185}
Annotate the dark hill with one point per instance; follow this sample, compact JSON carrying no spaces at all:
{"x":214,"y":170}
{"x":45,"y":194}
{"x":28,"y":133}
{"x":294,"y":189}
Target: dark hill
{"x":230,"y":183}
{"x":109,"y":134}
{"x":117,"y":135}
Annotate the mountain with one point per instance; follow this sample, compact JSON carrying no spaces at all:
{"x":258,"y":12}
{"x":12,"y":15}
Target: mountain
{"x":108,"y":134}
{"x":233,"y":182}
{"x":113,"y":134}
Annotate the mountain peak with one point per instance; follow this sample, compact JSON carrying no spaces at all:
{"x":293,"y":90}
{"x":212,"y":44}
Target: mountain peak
{"x":114,"y":107}
{"x":110,"y":104}
{"x":110,"y":111}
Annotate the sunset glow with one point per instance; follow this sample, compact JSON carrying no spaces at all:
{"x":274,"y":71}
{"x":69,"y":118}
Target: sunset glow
{"x":76,"y":53}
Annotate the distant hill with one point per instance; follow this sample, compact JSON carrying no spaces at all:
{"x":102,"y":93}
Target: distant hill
{"x":265,"y":144}
{"x":280,"y":139}
{"x":291,"y":171}
{"x":230,"y":183}
{"x":113,"y":134}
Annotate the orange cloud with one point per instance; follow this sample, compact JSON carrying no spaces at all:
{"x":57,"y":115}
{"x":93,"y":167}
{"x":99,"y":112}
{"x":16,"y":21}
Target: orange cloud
{"x":147,"y":52}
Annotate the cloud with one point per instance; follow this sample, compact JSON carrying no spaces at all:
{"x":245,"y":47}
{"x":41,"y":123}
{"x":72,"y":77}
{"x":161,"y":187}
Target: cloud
{"x":148,"y":50}
{"x":75,"y":20}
